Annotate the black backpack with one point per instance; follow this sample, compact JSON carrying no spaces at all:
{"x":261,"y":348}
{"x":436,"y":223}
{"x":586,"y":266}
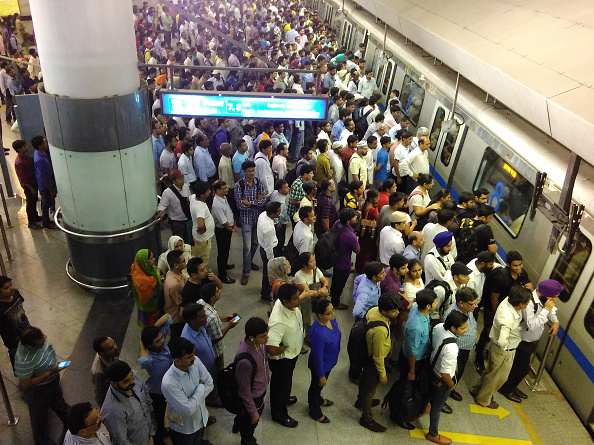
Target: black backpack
{"x":361,"y":125}
{"x":227,"y":384}
{"x":357,"y":345}
{"x":467,"y":241}
{"x":326,"y":249}
{"x":447,"y":298}
{"x":291,"y":175}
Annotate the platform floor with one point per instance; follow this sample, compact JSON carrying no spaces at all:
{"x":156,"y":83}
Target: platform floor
{"x":71,"y":317}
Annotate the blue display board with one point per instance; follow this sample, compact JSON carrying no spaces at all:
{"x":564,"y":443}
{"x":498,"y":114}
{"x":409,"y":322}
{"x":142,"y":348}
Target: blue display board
{"x":244,"y":106}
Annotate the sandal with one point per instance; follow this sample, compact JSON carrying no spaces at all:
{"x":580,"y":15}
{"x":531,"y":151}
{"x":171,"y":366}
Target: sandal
{"x":304,"y":351}
{"x":327,"y":402}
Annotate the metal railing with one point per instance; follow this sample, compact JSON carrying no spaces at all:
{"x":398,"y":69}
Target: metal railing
{"x":12,"y":420}
{"x":535,"y":384}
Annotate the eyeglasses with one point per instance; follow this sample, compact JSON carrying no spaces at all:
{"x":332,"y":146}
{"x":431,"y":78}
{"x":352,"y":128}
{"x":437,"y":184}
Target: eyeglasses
{"x":475,"y":304}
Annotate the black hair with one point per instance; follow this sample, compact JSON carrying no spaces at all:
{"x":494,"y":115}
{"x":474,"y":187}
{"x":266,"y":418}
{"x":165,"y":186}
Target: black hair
{"x":397,"y":261}
{"x":455,"y":319}
{"x":424,"y":178}
{"x":346,"y":215}
{"x":200,"y":188}
{"x":191,"y":311}
{"x":464,"y":197}
{"x":373,"y":268}
{"x":513,"y":255}
{"x":255,"y":326}
{"x":322,"y":145}
{"x":98,"y":342}
{"x":307,"y":168}
{"x":324,"y":186}
{"x":484,"y":211}
{"x":76,"y":417}
{"x":186,"y":146}
{"x":192,"y":265}
{"x":389,"y":302}
{"x":445,"y":215}
{"x":148,"y":335}
{"x":178,"y":347}
{"x":425,"y":297}
{"x":303,"y":259}
{"x":30,"y":335}
{"x":218,"y":184}
{"x":37,"y":141}
{"x":466,"y":295}
{"x":395,"y":198}
{"x":355,"y":185}
{"x":18,"y":144}
{"x":272,"y":207}
{"x":413,"y":262}
{"x":481,"y":191}
{"x":248,"y":164}
{"x":304,"y":212}
{"x":321,"y":305}
{"x":385,"y":140}
{"x":208,"y":291}
{"x":4,"y":279}
{"x":519,"y":295}
{"x":279,"y":183}
{"x":286,"y":292}
{"x":173,"y":258}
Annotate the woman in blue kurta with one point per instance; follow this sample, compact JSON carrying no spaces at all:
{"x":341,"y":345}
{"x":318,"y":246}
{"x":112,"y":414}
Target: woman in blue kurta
{"x":324,"y":337}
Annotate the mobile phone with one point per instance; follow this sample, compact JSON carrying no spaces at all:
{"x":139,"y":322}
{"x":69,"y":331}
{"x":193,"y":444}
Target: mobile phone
{"x":63,"y":364}
{"x":236,"y":318}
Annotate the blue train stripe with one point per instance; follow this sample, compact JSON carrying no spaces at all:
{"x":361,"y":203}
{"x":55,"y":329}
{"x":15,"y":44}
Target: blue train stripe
{"x":569,"y":344}
{"x":577,"y":354}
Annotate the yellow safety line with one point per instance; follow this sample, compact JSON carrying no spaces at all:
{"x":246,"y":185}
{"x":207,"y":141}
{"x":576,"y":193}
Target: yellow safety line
{"x":472,"y":438}
{"x":536,"y":440}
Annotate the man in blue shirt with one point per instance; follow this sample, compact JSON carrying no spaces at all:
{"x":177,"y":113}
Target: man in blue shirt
{"x":368,"y":291}
{"x":338,"y":127}
{"x":203,"y":164}
{"x":415,"y":349}
{"x":195,"y":317}
{"x":156,"y":359}
{"x":239,"y":158}
{"x":306,"y":77}
{"x":185,"y":387}
{"x":382,"y":165}
{"x":45,"y":180}
{"x":158,"y":142}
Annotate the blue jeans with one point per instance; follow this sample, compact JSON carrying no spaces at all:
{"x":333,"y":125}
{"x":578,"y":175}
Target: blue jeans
{"x":250,"y":245}
{"x":297,"y":140}
{"x":438,"y":399}
{"x":186,"y":439}
{"x":47,"y":203}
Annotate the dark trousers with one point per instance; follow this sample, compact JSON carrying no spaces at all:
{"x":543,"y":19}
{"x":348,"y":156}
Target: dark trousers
{"x":368,"y":382}
{"x":281,"y":383}
{"x":223,"y":237}
{"x":186,"y":439}
{"x":521,"y":366}
{"x":314,"y":395}
{"x":47,"y":203}
{"x":159,"y":405}
{"x":180,"y":228}
{"x":484,"y":338}
{"x":245,"y":425}
{"x":31,"y":207}
{"x":462,"y":360}
{"x":421,"y":369}
{"x":281,"y":235}
{"x":266,"y":287}
{"x":10,"y":114}
{"x":439,"y":395}
{"x":167,"y":37}
{"x":339,"y":279}
{"x":40,"y":398}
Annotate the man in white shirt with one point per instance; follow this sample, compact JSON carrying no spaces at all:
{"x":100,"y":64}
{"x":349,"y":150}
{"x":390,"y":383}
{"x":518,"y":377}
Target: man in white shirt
{"x":459,"y":278}
{"x":303,"y":237}
{"x":263,"y":169}
{"x":505,"y":338}
{"x":224,"y":229}
{"x":417,"y":161}
{"x":444,"y":358}
{"x":185,"y":387}
{"x":390,"y":118}
{"x":203,"y":221}
{"x":268,"y":241}
{"x":445,"y":218}
{"x":185,"y":164}
{"x":367,"y":85}
{"x":539,"y":311}
{"x":391,"y":241}
{"x":357,"y":165}
{"x":177,"y":206}
{"x":438,"y":261}
{"x":480,"y":267}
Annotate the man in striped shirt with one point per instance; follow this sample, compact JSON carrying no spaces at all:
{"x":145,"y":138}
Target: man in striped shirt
{"x":37,"y":370}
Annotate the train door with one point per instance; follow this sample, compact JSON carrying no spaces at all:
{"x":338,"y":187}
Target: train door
{"x":448,"y":147}
{"x":571,"y":358}
{"x":370,"y":55}
{"x":343,"y":33}
{"x":385,"y":84}
{"x":358,"y":37}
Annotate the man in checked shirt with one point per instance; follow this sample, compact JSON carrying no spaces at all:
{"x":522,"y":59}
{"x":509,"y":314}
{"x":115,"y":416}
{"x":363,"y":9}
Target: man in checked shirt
{"x":250,"y":198}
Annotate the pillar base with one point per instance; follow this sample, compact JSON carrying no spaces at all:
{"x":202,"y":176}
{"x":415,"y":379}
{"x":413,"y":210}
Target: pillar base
{"x":101,"y":262}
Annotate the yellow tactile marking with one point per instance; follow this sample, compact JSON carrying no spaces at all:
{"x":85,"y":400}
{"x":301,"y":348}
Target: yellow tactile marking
{"x":472,"y":438}
{"x":527,"y":424}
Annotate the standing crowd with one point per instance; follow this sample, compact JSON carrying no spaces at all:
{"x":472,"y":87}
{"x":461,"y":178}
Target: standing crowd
{"x":311,"y":197}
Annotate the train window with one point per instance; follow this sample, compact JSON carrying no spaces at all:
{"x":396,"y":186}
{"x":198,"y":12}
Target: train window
{"x":448,"y":146}
{"x":380,"y":72}
{"x":509,"y":192}
{"x":436,"y":128}
{"x":411,"y":97}
{"x":387,"y":78}
{"x":568,"y":269}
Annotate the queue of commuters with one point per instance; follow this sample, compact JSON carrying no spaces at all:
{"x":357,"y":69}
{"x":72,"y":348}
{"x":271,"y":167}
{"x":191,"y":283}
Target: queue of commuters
{"x":307,"y":196}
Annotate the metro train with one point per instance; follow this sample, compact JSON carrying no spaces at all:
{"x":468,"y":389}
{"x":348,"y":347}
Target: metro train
{"x":489,"y":146}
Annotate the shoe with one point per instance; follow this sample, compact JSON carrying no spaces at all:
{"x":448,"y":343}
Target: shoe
{"x":447,"y":409}
{"x":492,"y":405}
{"x":372,"y":425}
{"x":473,"y":392}
{"x":216,"y":404}
{"x":265,"y":300}
{"x":354,"y":380}
{"x":230,"y":266}
{"x":227,"y":280}
{"x":374,"y":402}
{"x":211,"y":420}
{"x":520,"y":394}
{"x":304,"y":351}
{"x":51,"y":226}
{"x":456,"y":396}
{"x":511,"y":396}
{"x":292,"y":400}
{"x":341,"y":307}
{"x":255,"y":267}
{"x":288,"y":422}
{"x":324,"y":419}
{"x":327,"y":402}
{"x":405,"y":425}
{"x":443,"y":440}
{"x":235,"y":428}
{"x":244,"y":279}
{"x":479,"y":365}
{"x":36,"y":226}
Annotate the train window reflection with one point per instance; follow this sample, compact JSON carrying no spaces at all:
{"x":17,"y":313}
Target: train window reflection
{"x":448,"y":146}
{"x":509,"y":192}
{"x":436,"y":128}
{"x":387,"y":78}
{"x":412,"y":97}
{"x":568,"y":269}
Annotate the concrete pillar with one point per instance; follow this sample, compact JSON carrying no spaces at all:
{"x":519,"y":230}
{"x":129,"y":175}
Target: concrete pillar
{"x":98,"y":129}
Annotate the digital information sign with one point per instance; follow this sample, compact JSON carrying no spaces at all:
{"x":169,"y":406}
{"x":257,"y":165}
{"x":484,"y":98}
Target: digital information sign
{"x":237,"y":106}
